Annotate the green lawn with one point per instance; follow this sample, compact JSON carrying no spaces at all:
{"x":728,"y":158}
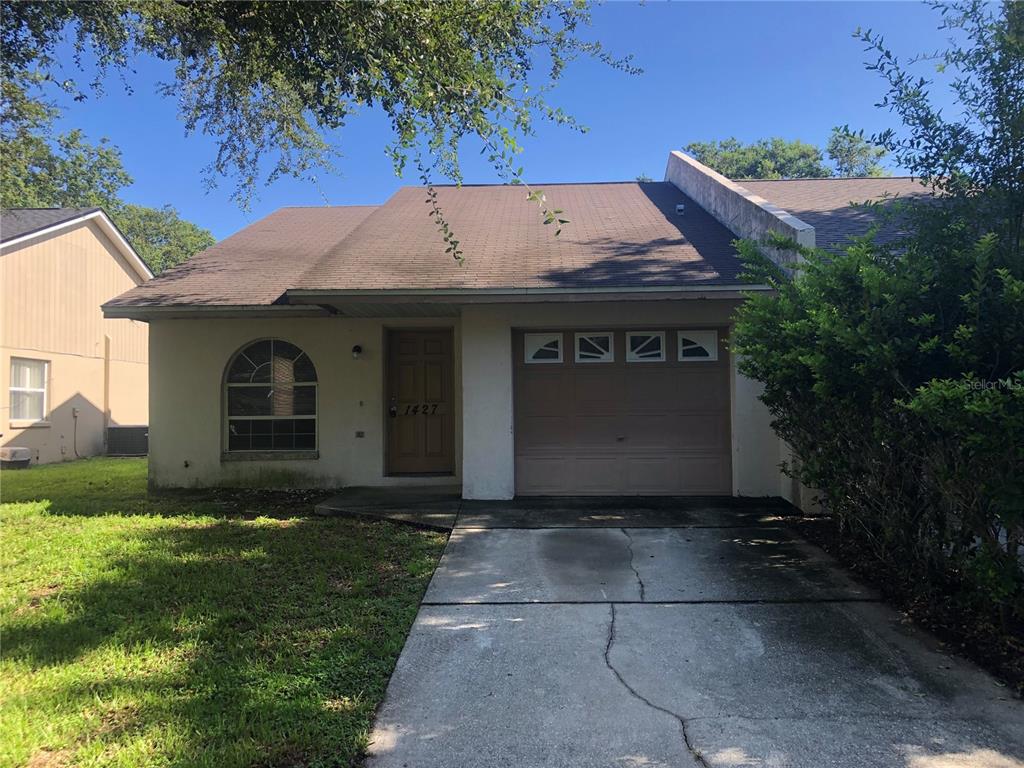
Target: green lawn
{"x":223,"y":629}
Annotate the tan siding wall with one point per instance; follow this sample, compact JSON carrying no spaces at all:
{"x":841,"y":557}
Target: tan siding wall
{"x":52,"y":289}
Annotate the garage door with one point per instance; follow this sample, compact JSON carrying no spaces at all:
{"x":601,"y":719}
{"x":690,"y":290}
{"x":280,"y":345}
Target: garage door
{"x":625,"y":412}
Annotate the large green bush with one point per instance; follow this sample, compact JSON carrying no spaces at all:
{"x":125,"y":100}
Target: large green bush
{"x":896,"y":374}
{"x":895,"y":370}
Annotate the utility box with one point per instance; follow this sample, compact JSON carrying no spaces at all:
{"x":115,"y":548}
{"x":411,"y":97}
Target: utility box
{"x":128,"y":440}
{"x":15,"y":458}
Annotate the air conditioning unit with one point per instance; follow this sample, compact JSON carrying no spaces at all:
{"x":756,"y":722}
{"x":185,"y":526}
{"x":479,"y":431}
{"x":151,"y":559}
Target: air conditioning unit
{"x":15,"y":458}
{"x":128,"y":440}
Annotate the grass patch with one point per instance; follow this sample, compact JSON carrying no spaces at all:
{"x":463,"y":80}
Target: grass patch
{"x":193,"y":630}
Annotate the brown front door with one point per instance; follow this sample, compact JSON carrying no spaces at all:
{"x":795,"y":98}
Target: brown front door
{"x":419,"y":402}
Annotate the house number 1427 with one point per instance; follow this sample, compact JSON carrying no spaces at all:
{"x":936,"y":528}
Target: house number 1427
{"x":428,"y":409}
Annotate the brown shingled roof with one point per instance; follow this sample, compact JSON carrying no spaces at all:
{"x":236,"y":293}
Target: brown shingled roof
{"x":827,"y":204}
{"x":620,"y":235}
{"x":254,"y":266}
{"x":16,"y":222}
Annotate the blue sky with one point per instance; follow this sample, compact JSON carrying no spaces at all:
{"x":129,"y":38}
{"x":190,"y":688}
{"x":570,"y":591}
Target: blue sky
{"x":711,"y":70}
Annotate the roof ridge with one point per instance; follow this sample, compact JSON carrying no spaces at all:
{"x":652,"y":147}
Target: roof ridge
{"x":55,"y":208}
{"x":537,"y":184}
{"x":832,"y":178}
{"x":328,"y":207}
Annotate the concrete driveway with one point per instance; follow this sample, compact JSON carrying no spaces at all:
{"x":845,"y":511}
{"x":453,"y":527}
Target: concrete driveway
{"x":679,"y":634}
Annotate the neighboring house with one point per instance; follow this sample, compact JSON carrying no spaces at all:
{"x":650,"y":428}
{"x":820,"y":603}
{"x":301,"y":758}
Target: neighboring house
{"x":341,"y":346}
{"x":67,"y":372}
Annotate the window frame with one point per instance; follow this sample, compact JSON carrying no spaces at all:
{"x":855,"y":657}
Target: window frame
{"x":630,"y":355}
{"x":45,"y":390}
{"x":229,"y":453}
{"x":550,"y":335}
{"x":590,"y":334}
{"x":704,"y":337}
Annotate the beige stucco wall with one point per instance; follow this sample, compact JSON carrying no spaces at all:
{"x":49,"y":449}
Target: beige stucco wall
{"x":187,"y":416}
{"x":488,"y":443}
{"x":186,"y":401}
{"x":52,"y":289}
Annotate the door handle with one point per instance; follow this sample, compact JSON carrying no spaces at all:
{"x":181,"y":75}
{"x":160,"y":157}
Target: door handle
{"x":393,"y":411}
{"x":620,"y":438}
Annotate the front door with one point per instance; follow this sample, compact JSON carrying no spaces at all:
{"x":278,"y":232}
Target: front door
{"x":419,"y":402}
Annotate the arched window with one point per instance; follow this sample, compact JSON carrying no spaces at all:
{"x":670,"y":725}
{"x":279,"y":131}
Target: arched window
{"x":271,"y":398}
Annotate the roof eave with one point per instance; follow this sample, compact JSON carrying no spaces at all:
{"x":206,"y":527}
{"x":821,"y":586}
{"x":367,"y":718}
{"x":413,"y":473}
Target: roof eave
{"x":319,"y":303}
{"x":191,"y":311}
{"x":297,"y":296}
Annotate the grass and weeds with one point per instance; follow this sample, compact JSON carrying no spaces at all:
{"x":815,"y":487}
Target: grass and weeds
{"x":221,"y":629}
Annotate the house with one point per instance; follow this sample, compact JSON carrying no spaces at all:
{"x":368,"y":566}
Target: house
{"x":340,"y":346}
{"x":67,"y":372}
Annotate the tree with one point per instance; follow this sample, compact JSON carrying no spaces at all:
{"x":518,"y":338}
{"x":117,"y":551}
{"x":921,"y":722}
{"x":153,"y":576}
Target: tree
{"x":42,"y":169}
{"x":853,"y":155}
{"x":161,"y":237}
{"x":773,"y":158}
{"x":895,"y":371}
{"x":274,"y":82}
{"x":776,"y":158}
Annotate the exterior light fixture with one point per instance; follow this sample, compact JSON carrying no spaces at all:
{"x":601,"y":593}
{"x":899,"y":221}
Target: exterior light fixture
{"x":356,"y":352}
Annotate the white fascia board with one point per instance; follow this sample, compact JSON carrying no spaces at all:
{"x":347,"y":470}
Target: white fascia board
{"x":108,"y":228}
{"x":397,"y":293}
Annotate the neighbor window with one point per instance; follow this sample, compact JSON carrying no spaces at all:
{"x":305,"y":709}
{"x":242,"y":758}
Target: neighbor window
{"x":28,"y":389}
{"x":271,"y":398}
{"x":645,"y":346}
{"x":594,"y":348}
{"x":698,"y":345}
{"x":542,"y":347}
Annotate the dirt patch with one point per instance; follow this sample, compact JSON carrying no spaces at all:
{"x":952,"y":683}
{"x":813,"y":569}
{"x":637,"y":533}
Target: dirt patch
{"x":250,"y":503}
{"x":115,"y":722}
{"x":49,"y":758}
{"x":37,"y":597}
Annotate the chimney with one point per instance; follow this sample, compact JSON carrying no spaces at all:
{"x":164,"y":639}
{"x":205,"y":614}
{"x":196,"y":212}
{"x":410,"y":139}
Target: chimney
{"x":744,"y":213}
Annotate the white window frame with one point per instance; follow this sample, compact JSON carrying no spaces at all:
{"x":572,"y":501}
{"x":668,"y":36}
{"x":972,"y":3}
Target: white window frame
{"x":609,"y":356}
{"x":228,"y":418}
{"x":534,"y":341}
{"x":631,"y":357}
{"x":707,"y":339}
{"x":45,"y":389}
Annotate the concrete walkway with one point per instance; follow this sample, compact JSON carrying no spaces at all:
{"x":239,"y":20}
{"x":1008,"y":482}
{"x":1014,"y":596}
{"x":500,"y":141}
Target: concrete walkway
{"x":586,"y":635}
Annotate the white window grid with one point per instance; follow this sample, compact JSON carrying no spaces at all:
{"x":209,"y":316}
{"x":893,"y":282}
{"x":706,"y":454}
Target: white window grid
{"x":44,"y":389}
{"x":639,"y":356}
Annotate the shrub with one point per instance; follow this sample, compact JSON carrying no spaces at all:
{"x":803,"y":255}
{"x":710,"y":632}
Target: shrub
{"x":896,"y":374}
{"x":896,"y":371}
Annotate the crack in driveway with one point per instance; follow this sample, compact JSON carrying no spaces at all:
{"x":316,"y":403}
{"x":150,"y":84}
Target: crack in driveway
{"x":697,"y":756}
{"x":632,"y":567}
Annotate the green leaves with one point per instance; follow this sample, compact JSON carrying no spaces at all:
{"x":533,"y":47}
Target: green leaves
{"x":854,"y":155}
{"x":41,"y":169}
{"x":777,"y":158}
{"x":896,"y":373}
{"x":162,"y":238}
{"x":274,"y":82}
{"x":774,"y":158}
{"x":550,"y":215}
